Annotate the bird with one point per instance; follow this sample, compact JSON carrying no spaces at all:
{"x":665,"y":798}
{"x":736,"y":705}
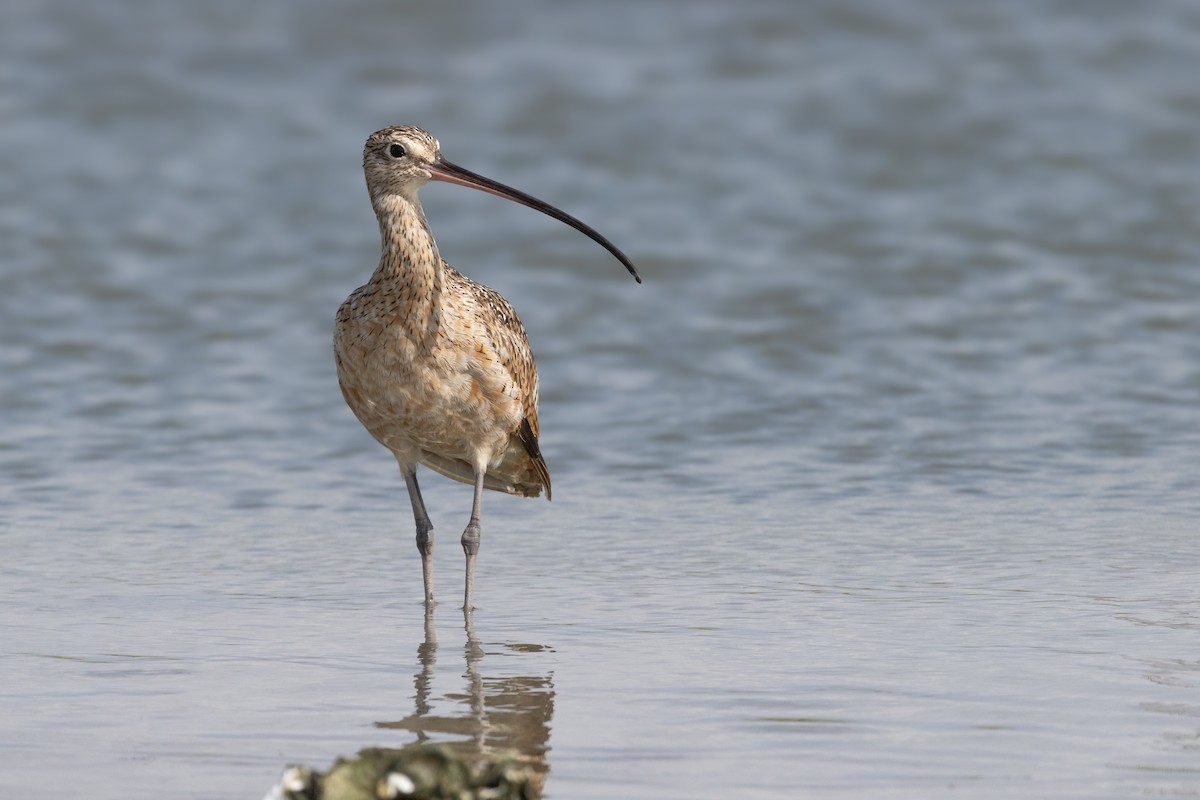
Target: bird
{"x":435,"y":366}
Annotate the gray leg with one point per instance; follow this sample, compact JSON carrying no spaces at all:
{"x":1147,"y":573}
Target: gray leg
{"x":470,"y":540}
{"x":424,"y":531}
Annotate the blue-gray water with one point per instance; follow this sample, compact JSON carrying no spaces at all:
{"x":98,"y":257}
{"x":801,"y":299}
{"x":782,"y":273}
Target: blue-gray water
{"x":886,"y":483}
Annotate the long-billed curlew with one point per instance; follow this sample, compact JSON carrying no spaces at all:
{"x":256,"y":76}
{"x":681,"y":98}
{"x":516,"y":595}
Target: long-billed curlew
{"x":436,"y":366}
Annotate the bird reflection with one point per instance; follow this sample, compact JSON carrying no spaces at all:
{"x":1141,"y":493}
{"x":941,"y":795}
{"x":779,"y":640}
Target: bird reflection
{"x":494,"y":715}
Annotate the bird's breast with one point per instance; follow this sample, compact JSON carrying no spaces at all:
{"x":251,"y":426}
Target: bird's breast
{"x":437,"y":385}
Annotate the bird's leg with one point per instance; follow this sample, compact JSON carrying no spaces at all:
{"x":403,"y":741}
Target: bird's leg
{"x":470,"y":539}
{"x":424,"y":530}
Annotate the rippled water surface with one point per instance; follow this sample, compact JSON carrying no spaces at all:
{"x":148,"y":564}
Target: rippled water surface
{"x":884,"y":484}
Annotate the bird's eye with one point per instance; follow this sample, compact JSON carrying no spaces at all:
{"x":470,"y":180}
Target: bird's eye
{"x":396,"y":151}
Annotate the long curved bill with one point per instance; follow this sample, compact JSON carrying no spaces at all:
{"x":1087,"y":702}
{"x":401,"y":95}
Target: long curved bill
{"x":443,"y":170}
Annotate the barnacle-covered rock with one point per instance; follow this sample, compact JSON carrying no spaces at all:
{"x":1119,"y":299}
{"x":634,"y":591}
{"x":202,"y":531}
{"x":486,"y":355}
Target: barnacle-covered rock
{"x":416,"y":772}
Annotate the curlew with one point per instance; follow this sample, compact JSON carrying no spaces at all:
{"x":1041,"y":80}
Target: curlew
{"x":436,"y":366}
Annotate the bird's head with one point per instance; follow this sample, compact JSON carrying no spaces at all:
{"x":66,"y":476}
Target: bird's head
{"x":401,"y":159}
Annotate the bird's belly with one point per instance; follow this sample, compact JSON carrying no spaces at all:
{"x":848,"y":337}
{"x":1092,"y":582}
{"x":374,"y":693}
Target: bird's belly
{"x":440,"y":402}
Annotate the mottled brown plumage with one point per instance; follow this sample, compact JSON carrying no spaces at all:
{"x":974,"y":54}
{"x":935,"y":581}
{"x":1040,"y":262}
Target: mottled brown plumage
{"x":436,"y":366}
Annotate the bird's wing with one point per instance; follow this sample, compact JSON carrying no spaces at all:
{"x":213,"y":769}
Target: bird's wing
{"x":527,"y":433}
{"x":510,"y":345}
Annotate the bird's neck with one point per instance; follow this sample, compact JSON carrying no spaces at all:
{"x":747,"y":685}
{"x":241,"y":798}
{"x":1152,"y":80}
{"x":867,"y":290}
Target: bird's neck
{"x":410,"y":266}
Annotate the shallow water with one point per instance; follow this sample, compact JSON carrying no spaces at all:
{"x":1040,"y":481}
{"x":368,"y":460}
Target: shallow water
{"x":884,"y":484}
